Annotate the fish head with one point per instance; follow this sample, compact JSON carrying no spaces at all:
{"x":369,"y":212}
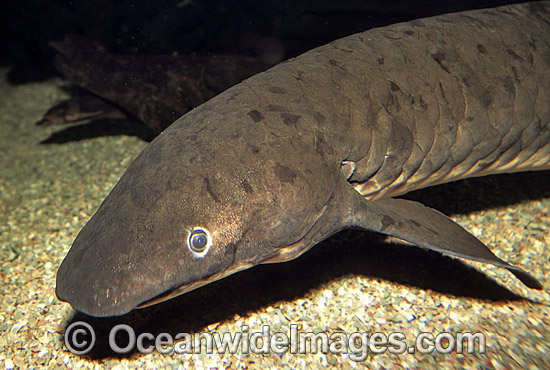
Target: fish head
{"x":202,"y":201}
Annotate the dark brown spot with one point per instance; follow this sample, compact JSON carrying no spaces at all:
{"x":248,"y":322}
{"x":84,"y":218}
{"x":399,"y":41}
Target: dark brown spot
{"x":439,"y":57}
{"x":401,"y":138}
{"x":210,"y":191}
{"x":514,"y":55}
{"x":321,"y":145}
{"x":284,"y":173}
{"x":246,"y":186}
{"x":422,"y":103}
{"x":256,"y":115}
{"x":433,"y":231}
{"x":486,"y":98}
{"x":232,"y":97}
{"x":290,"y":119}
{"x":480,"y":93}
{"x":469,"y":118}
{"x":276,"y":90}
{"x":394,"y":87}
{"x":481,"y":49}
{"x":409,"y":32}
{"x":254,"y":148}
{"x":387,"y":221}
{"x":380,"y":61}
{"x":319,"y":117}
{"x":420,"y":226}
{"x":509,"y":86}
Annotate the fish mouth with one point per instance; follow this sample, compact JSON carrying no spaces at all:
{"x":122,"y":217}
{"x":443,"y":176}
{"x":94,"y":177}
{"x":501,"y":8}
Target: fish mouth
{"x":101,"y":304}
{"x":101,"y":287}
{"x":185,"y":288}
{"x":88,"y":299}
{"x":98,"y":289}
{"x":171,"y":293}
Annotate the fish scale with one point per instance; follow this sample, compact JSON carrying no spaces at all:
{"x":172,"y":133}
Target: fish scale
{"x":474,"y":137}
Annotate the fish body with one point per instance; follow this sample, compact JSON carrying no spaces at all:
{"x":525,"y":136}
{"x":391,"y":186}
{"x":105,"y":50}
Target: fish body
{"x":155,"y":89}
{"x":319,"y":143}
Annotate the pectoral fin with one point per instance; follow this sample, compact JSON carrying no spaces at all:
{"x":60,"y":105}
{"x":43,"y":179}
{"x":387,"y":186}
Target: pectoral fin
{"x":427,"y":228}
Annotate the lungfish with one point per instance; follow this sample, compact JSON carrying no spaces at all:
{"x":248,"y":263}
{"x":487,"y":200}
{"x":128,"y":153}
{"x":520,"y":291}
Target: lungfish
{"x":319,"y":143}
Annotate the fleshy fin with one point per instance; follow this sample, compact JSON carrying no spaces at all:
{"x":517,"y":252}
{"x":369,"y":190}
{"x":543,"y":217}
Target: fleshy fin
{"x":428,"y":228}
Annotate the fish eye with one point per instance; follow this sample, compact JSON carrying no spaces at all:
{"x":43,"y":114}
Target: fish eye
{"x":199,"y":241}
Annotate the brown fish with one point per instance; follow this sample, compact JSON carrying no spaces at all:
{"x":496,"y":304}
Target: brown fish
{"x":323,"y":142}
{"x":156,"y":89}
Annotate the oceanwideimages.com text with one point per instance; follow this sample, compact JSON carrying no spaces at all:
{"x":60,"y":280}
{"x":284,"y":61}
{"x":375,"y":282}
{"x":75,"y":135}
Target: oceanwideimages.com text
{"x":80,"y":339}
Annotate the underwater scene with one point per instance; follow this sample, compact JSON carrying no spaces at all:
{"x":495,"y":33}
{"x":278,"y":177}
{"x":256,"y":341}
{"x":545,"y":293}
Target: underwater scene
{"x":200,"y":257}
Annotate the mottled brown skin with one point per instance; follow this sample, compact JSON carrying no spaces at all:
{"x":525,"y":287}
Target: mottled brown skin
{"x":79,"y":109}
{"x":321,"y":143}
{"x":156,"y":89}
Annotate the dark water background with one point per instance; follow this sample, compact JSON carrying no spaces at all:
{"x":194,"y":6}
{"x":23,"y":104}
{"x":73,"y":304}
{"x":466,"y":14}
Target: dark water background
{"x":271,"y":29}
